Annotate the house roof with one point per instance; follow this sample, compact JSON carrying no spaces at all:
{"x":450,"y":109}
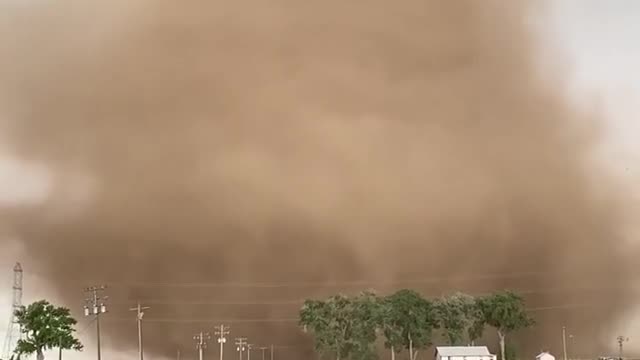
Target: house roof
{"x":545,"y":354}
{"x":463,"y":351}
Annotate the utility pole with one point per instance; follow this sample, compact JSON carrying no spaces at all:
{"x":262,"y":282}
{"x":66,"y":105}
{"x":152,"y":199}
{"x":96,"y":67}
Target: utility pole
{"x":222,"y":331}
{"x":241,"y":344}
{"x":249,"y":347}
{"x":564,"y":342}
{"x":271,"y":351}
{"x":570,"y":345}
{"x":264,"y":349}
{"x":178,"y":354}
{"x":96,"y":306}
{"x":139,"y":315}
{"x":621,"y":340}
{"x":201,"y":343}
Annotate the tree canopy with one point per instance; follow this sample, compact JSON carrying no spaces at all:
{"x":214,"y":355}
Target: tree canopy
{"x":45,"y":327}
{"x":348,"y":327}
{"x":456,"y":315}
{"x":505,"y":311}
{"x":407,"y":322}
{"x":343,"y":326}
{"x":477,"y":320}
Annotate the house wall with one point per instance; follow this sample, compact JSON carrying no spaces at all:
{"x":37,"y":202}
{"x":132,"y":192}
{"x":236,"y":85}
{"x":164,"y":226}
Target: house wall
{"x":465,"y":357}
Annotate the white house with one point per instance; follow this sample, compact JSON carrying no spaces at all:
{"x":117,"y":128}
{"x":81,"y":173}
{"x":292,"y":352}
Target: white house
{"x":464,"y":353}
{"x":545,"y":356}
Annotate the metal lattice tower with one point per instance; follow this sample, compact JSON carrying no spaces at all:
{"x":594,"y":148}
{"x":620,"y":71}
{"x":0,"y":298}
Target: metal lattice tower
{"x":13,"y":329}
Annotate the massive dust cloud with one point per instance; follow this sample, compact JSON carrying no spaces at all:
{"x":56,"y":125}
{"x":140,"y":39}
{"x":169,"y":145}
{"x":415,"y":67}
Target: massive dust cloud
{"x":308,"y":145}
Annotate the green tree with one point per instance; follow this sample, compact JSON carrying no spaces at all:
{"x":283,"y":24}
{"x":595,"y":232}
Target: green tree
{"x":505,"y":311}
{"x":343,"y":326}
{"x":407,"y":322}
{"x":476,"y":330}
{"x":456,"y":314}
{"x":477,"y":321}
{"x":366,"y":309}
{"x":45,"y":327}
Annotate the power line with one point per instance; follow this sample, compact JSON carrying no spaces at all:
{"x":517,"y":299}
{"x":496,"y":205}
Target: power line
{"x":222,"y":303}
{"x":301,"y":301}
{"x":115,"y":282}
{"x":559,"y":307}
{"x":295,"y":319}
{"x":251,"y":303}
{"x":207,"y":321}
{"x":333,"y":283}
{"x":86,"y":327}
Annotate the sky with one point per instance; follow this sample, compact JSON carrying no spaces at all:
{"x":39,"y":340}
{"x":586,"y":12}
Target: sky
{"x":600,"y":41}
{"x":600,"y":38}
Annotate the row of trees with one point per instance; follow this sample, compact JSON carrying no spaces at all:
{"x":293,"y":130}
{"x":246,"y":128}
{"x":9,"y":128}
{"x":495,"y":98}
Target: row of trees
{"x":348,"y":327}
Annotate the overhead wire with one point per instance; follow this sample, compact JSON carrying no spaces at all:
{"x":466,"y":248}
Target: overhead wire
{"x":320,"y":284}
{"x":296,"y":320}
{"x":300,"y":301}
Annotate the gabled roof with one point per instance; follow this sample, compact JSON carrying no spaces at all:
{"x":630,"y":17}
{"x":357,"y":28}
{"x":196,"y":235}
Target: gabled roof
{"x":462,"y":351}
{"x":544,"y":354}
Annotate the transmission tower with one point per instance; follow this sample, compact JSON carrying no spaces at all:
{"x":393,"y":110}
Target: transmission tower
{"x":13,"y":329}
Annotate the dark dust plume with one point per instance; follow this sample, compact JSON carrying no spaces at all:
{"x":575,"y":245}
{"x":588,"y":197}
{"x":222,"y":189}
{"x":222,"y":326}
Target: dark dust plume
{"x":297,"y":141}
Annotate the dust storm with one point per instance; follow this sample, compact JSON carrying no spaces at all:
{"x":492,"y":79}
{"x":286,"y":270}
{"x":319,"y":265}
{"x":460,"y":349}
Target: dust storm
{"x":314,"y":147}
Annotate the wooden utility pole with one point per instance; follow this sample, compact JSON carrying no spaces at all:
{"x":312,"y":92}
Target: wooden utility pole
{"x":263,"y":349}
{"x":564,"y":342}
{"x":96,"y":306}
{"x":621,"y":340}
{"x":201,"y":343}
{"x":139,"y":315}
{"x":249,"y":348}
{"x":241,"y":344}
{"x":222,"y":331}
